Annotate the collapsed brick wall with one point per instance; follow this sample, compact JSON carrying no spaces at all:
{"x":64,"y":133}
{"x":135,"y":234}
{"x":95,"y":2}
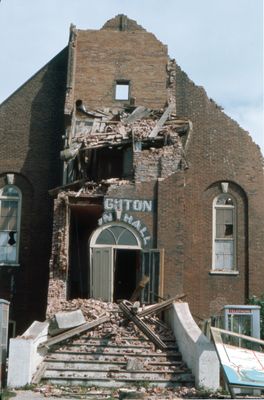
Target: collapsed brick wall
{"x":60,"y":252}
{"x":157,"y":163}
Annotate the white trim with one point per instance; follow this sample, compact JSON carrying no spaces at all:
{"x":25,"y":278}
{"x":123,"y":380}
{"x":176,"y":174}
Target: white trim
{"x":98,"y":231}
{"x":93,"y":245}
{"x":224,"y":186}
{"x":221,"y":272}
{"x":5,"y":264}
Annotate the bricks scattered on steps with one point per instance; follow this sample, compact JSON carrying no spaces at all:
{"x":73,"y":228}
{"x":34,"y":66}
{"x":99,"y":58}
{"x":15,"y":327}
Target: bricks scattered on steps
{"x":147,"y":393}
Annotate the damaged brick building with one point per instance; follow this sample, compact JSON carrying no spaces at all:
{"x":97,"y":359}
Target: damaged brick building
{"x":115,"y":165}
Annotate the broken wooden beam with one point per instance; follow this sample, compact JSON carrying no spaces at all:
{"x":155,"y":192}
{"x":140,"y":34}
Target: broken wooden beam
{"x":161,"y":121}
{"x":159,"y":307}
{"x":139,"y":288}
{"x":56,"y":190}
{"x":142,"y":326}
{"x":39,"y":374}
{"x":75,"y":331}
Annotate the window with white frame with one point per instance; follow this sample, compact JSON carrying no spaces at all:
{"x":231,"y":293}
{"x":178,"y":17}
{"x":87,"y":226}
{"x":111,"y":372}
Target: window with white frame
{"x":10,"y":206}
{"x":224,"y":232}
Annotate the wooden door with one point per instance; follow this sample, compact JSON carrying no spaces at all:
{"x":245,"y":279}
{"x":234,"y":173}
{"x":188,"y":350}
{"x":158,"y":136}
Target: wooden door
{"x":101,"y":273}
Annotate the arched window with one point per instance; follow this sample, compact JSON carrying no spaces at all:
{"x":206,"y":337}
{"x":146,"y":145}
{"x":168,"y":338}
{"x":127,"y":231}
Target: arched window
{"x":10,"y":206}
{"x":224,"y":232}
{"x":115,"y":235}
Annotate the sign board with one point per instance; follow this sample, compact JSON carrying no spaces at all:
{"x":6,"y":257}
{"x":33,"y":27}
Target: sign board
{"x":113,"y":204}
{"x":238,"y":311}
{"x":242,"y":367}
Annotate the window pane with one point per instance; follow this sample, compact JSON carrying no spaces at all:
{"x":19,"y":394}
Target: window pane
{"x":220,"y":215}
{"x":224,"y":199}
{"x":106,"y":237}
{"x":4,"y":237}
{"x":224,"y":254}
{"x":228,"y":216}
{"x":9,"y":191}
{"x":2,"y":254}
{"x":9,"y":206}
{"x":220,"y":231}
{"x":3,"y":223}
{"x":117,"y":231}
{"x":11,"y":253}
{"x":224,"y":222}
{"x":127,"y":238}
{"x":228,"y":230}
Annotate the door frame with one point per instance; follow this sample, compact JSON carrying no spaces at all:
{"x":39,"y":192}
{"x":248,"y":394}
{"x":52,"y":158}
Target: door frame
{"x":93,"y":245}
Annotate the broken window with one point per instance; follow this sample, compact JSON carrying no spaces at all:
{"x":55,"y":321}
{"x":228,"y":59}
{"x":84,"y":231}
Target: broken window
{"x":224,"y":233}
{"x":10,"y":203}
{"x":122,"y":90}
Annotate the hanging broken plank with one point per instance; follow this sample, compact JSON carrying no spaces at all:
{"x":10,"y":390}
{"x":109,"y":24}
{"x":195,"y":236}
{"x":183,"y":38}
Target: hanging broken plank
{"x":161,"y":121}
{"x":139,"y":288}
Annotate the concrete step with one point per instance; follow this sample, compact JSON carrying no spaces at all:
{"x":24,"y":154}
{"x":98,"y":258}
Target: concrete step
{"x":181,"y":380}
{"x":101,"y":346}
{"x":111,"y":365}
{"x":123,"y":339}
{"x":116,"y":355}
{"x":102,"y":361}
{"x":114,"y":374}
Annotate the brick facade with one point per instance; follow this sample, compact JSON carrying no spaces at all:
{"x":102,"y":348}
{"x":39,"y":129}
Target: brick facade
{"x":181,"y":177}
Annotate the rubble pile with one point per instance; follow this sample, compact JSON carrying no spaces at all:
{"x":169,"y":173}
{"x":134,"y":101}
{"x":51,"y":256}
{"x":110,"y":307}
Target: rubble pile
{"x":115,"y":350}
{"x":59,"y":254}
{"x":117,"y":133}
{"x":117,"y":326}
{"x":90,"y":308}
{"x":151,"y":393}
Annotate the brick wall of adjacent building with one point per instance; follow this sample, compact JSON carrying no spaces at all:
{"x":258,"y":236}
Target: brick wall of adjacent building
{"x":31,"y":128}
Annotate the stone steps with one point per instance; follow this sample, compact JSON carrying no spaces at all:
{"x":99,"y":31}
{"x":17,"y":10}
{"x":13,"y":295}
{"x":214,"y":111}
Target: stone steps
{"x":111,"y":365}
{"x":101,"y":360}
{"x":99,"y":356}
{"x":182,"y":380}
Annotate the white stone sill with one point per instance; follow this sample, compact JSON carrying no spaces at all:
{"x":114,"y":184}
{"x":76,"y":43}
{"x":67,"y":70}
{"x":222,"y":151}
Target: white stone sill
{"x":215,"y":272}
{"x":9,"y":265}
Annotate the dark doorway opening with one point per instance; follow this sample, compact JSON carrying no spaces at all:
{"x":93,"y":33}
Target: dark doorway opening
{"x":84,"y":220}
{"x":126,"y":273}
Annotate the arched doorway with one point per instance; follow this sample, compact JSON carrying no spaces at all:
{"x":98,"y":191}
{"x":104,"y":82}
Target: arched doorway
{"x":118,"y":262}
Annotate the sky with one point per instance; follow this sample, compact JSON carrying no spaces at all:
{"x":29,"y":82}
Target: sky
{"x":218,"y":43}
